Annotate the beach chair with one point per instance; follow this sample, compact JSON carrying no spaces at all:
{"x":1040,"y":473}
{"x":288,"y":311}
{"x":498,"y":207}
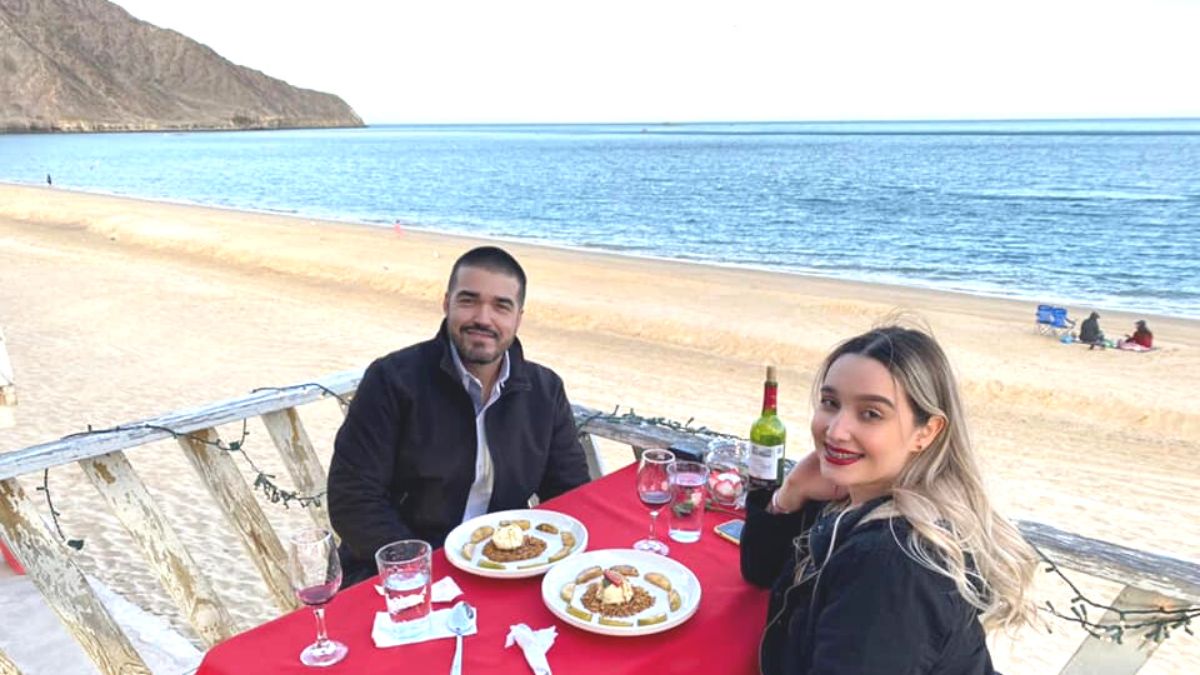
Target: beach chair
{"x":1053,"y":320}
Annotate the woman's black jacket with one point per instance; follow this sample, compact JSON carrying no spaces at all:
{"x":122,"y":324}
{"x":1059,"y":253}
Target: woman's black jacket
{"x":872,"y":609}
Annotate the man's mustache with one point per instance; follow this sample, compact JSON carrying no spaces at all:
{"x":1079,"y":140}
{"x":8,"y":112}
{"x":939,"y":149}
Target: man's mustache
{"x":479,"y":329}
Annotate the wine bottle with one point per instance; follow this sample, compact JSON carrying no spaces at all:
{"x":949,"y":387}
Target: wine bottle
{"x":768,"y":436}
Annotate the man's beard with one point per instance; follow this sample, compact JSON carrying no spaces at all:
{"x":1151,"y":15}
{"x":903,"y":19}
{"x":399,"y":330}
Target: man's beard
{"x":478,"y":356}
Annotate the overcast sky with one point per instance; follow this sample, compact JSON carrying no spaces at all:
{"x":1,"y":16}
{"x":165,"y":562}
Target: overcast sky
{"x":430,"y":61}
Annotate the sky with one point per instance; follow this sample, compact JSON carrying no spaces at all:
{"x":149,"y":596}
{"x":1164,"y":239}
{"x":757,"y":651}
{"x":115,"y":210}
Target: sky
{"x":453,"y":61}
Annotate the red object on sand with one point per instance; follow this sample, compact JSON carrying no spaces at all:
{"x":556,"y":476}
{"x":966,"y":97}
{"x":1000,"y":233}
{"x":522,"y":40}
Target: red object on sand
{"x":11,"y":559}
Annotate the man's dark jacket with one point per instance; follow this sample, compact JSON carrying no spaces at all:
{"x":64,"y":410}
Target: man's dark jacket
{"x":872,"y":611}
{"x":404,"y":460}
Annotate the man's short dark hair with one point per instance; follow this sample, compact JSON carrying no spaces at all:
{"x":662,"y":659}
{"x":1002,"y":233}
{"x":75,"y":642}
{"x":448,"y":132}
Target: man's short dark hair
{"x":492,"y":259}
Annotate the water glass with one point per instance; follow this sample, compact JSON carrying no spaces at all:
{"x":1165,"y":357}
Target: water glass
{"x":727,"y":471}
{"x":405,"y":571}
{"x":688,"y":480}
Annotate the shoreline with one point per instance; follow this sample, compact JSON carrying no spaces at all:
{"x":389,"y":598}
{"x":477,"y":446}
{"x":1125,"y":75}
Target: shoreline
{"x":915,"y":284}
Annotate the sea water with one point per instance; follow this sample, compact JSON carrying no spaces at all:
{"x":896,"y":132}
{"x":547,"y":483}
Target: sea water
{"x":1096,"y":214}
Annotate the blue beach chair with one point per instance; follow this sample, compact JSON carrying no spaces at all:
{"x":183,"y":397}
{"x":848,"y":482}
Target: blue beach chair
{"x":1053,"y":320}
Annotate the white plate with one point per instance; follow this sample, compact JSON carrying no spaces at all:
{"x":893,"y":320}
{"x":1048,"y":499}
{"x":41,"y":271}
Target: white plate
{"x":527,"y":568}
{"x":682,"y":579}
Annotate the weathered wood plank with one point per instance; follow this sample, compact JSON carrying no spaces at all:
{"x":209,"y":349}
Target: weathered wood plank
{"x":234,"y":497}
{"x":594,"y":462}
{"x":7,"y":667}
{"x":300,"y":458}
{"x":1168,"y":576}
{"x":637,"y":435}
{"x":1104,"y":657}
{"x":65,"y":451}
{"x":64,"y":587}
{"x":119,"y":485}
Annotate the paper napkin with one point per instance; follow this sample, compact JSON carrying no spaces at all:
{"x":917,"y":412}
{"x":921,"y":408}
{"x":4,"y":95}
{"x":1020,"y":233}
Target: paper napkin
{"x":385,"y":634}
{"x":535,"y":644}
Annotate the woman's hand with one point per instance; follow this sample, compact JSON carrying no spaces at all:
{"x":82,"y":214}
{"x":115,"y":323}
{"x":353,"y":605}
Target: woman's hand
{"x":805,"y":482}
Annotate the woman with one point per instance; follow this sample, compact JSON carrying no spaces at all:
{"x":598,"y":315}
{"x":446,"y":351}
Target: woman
{"x":883,"y":550}
{"x":1141,"y":339}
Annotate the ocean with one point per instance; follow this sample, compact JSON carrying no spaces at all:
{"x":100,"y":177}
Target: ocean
{"x":1092,"y":214}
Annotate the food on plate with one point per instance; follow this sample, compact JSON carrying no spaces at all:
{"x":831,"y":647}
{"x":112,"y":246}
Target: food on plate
{"x":625,"y":570}
{"x":579,"y":613}
{"x":567,"y":592}
{"x":468,"y":550}
{"x":568,"y":540}
{"x":651,"y":620}
{"x":511,"y":544}
{"x":674,"y":600}
{"x":481,"y":533}
{"x":547,"y":528}
{"x":616,"y":596}
{"x":488,"y":564}
{"x":658,"y":580}
{"x":589,"y":574}
{"x":522,"y":523}
{"x":605,"y":621}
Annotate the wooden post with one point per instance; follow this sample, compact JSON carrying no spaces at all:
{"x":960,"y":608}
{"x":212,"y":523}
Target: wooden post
{"x":300,"y":458}
{"x":64,"y":587}
{"x":7,"y":667}
{"x":594,"y":463}
{"x":8,"y":388}
{"x":119,"y":485}
{"x":1104,"y":657}
{"x":233,"y":496}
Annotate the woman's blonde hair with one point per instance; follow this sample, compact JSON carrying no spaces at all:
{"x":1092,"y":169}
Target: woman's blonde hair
{"x":940,"y":492}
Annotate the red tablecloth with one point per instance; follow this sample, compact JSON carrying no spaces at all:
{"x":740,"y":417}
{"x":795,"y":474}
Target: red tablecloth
{"x":722,"y":637}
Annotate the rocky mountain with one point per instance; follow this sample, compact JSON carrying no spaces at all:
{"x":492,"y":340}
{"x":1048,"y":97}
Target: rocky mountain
{"x":87,"y":65}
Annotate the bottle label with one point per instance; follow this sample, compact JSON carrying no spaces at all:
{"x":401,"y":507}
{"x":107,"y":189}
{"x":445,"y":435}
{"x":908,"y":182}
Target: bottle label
{"x":764,"y":461}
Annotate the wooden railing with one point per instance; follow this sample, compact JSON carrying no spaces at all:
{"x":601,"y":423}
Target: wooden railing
{"x":1151,"y":580}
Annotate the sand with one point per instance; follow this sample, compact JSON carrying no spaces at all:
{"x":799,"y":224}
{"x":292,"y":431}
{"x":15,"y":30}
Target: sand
{"x":117,"y":309}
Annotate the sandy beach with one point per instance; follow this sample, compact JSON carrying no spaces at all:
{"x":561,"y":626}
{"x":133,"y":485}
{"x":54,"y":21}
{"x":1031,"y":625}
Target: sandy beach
{"x":117,"y":309}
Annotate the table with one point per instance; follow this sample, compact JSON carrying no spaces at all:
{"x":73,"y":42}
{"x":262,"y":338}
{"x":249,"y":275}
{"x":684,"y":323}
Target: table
{"x":722,"y":637}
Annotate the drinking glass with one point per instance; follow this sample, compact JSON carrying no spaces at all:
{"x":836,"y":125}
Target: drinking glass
{"x":405,"y":571}
{"x":726,"y":460}
{"x":688,"y":480}
{"x":315,"y":574}
{"x":654,"y":489}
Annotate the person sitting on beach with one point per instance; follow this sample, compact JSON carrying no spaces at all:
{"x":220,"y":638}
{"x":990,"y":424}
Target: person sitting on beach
{"x":881,"y":548}
{"x":1141,"y":340}
{"x":1090,"y":333}
{"x":449,"y":429}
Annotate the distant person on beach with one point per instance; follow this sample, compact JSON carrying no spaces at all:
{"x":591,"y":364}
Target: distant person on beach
{"x":449,"y":429}
{"x":1090,"y":333}
{"x":1141,"y":340}
{"x":881,"y":548}
{"x":48,"y":181}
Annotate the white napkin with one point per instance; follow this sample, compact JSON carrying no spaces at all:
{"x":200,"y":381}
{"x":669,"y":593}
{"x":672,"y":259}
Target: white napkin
{"x":535,"y":644}
{"x":442,"y":590}
{"x":384,"y":631}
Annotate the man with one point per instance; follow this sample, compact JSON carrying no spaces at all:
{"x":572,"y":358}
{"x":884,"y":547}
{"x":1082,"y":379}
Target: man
{"x":1090,"y":333}
{"x":453,"y":428}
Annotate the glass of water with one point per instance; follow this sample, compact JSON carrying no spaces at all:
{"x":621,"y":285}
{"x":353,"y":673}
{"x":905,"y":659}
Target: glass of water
{"x":688,"y":481}
{"x":405,"y":570}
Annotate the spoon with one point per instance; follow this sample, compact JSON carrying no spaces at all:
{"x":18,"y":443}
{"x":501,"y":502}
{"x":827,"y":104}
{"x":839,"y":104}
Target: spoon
{"x":462,"y":618}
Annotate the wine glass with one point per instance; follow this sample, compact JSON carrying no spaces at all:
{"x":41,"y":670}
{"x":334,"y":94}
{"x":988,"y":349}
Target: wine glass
{"x":654,"y":489}
{"x":315,"y":573}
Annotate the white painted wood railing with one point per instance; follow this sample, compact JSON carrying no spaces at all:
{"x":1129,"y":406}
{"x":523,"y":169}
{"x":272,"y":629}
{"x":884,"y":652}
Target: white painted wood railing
{"x":1151,"y":579}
